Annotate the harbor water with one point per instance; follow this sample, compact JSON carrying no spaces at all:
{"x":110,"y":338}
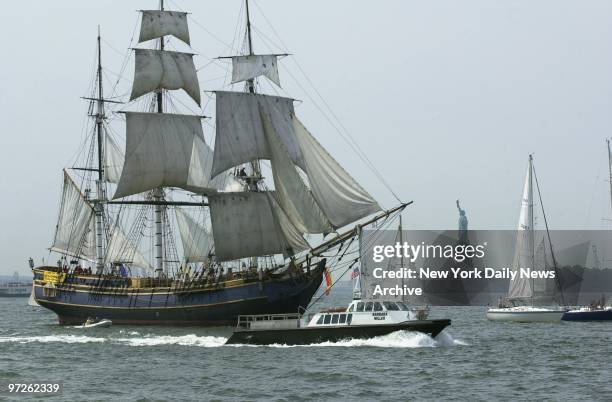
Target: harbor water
{"x":473,"y":359}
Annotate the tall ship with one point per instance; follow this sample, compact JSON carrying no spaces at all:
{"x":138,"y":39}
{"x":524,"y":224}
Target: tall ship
{"x":173,"y":231}
{"x":15,"y":287}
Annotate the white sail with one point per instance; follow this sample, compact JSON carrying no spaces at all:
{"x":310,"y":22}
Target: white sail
{"x":161,"y":69}
{"x":250,"y":224}
{"x":113,"y":160}
{"x":74,"y":222}
{"x":164,"y":150}
{"x":292,"y":194}
{"x":123,"y":251}
{"x":340,"y":197}
{"x":157,"y":23}
{"x":252,"y":66}
{"x":240,"y":137}
{"x":197,"y":241}
{"x":520,"y":287}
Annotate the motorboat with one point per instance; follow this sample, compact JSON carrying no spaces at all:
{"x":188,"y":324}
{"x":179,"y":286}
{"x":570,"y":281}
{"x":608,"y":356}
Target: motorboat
{"x":97,"y":323}
{"x":362,"y":319}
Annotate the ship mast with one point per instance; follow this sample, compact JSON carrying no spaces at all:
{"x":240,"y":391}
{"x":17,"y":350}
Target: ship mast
{"x":251,"y":88}
{"x":158,"y":194}
{"x":255,"y":167}
{"x":101,"y":193}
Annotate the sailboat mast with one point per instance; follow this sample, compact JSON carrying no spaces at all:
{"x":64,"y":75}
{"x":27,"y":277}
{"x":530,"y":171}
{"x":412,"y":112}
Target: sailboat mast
{"x":531,"y":222}
{"x":158,"y":194}
{"x":610,"y":169}
{"x":101,"y":193}
{"x":401,"y":241}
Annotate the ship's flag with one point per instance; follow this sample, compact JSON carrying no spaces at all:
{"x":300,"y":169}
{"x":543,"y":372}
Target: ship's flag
{"x":328,"y":281}
{"x":355,"y":273}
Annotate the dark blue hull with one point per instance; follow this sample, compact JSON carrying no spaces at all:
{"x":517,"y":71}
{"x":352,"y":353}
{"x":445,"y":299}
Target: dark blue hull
{"x":76,"y":298}
{"x":593,"y":315}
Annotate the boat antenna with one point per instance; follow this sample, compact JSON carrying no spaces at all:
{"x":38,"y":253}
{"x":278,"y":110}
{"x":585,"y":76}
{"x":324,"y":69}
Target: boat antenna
{"x":552,"y":251}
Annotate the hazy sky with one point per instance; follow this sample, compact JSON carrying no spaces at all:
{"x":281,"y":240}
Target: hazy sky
{"x":446,"y":97}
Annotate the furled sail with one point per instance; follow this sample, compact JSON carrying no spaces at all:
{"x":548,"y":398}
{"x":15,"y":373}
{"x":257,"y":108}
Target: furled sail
{"x":294,"y":197}
{"x":121,"y":250}
{"x":240,"y":136}
{"x":251,"y":224}
{"x":197,"y":241}
{"x":162,"y":69}
{"x":157,"y":23}
{"x":521,"y":287}
{"x":252,"y":66}
{"x":340,"y":197}
{"x":74,"y":222}
{"x":164,"y":150}
{"x":113,"y":160}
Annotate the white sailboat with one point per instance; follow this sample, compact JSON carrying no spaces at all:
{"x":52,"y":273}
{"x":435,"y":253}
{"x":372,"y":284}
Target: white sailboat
{"x":522,"y":292}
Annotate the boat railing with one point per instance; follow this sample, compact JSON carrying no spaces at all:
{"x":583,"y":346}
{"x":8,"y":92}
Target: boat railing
{"x":266,"y":321}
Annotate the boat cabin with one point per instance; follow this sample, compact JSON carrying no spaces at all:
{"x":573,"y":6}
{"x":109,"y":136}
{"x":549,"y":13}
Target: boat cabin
{"x":368,"y":312}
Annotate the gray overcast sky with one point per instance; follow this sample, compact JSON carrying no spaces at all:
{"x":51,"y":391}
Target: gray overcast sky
{"x":447,"y":98}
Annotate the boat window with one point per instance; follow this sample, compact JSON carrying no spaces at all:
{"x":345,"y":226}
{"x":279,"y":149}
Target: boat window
{"x":351,"y":308}
{"x":369,"y":306}
{"x":360,"y":306}
{"x":349,"y":318}
{"x":391,"y":306}
{"x":377,"y":306}
{"x":327,"y":319}
{"x":320,"y":320}
{"x":402,"y":306}
{"x":342,"y":318}
{"x":335,"y":318}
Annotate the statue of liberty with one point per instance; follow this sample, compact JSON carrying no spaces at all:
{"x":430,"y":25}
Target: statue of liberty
{"x":463,"y":223}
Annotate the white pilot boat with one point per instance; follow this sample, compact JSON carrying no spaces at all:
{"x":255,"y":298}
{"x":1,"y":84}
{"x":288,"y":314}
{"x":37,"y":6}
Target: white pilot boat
{"x":362,"y":319}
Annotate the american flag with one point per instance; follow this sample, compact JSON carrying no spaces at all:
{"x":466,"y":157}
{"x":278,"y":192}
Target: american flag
{"x":355,"y":273}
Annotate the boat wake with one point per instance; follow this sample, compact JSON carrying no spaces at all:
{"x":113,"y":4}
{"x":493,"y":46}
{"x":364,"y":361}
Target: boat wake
{"x":147,"y":340}
{"x":52,"y":339}
{"x":400,"y":339}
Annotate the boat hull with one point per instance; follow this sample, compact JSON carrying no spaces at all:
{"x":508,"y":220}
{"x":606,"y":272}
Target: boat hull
{"x":314,"y":335}
{"x":525,"y":316}
{"x":591,"y":315}
{"x":216,"y":306}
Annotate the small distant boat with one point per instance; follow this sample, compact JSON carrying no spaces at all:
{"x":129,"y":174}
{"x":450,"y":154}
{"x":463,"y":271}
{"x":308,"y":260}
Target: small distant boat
{"x":361,"y":320}
{"x":589,"y":314}
{"x":95,"y":323}
{"x":15,"y":287}
{"x":525,"y":314}
{"x":522,"y":292}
